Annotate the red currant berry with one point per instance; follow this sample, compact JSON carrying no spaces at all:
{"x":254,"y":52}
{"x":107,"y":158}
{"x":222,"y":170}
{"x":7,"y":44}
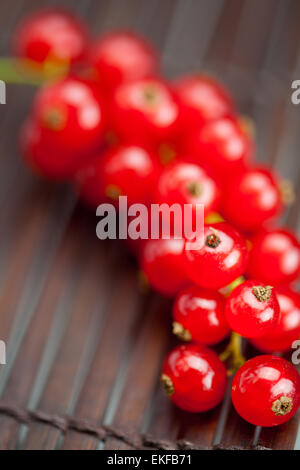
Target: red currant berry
{"x":122,"y":56}
{"x":288,"y":329}
{"x":252,"y":198}
{"x":144,"y":112}
{"x":186,"y":183}
{"x":194,"y":378}
{"x":70,"y":113}
{"x":266,"y":391}
{"x":221,"y":146}
{"x":274,"y":257}
{"x":252,"y":309}
{"x":124,"y":171}
{"x":44,"y":158}
{"x":50,"y":37}
{"x":199,"y":315}
{"x":222,"y":258}
{"x":162,"y":263}
{"x":201,"y":99}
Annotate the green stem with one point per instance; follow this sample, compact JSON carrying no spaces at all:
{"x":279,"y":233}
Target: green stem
{"x":11,"y":72}
{"x":234,"y":351}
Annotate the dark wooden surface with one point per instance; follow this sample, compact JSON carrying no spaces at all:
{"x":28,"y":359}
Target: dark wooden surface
{"x":82,"y":340}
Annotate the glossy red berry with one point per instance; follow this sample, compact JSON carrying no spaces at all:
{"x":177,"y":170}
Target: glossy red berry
{"x":45,"y":158}
{"x":71,"y":116}
{"x":287,"y":330}
{"x":52,"y":37}
{"x":122,"y":56}
{"x":126,"y":170}
{"x":274,"y":257}
{"x":144,"y":112}
{"x":221,"y":146}
{"x":186,"y":183}
{"x":194,"y":378}
{"x":266,"y":391}
{"x":220,"y":259}
{"x":162,"y":263}
{"x":201,"y":99}
{"x":199,"y":316}
{"x":252,"y":309}
{"x":252,"y":198}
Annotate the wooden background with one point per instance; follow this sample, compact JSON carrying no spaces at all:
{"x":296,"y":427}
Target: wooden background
{"x":84,"y":346}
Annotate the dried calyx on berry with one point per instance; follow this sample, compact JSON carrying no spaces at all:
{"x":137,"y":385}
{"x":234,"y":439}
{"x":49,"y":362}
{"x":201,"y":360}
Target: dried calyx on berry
{"x":113,"y":192}
{"x":282,"y":406}
{"x":262,"y":293}
{"x":151,"y":96}
{"x":166,"y":153}
{"x":194,"y":188}
{"x":181,"y":332}
{"x":167,"y":384}
{"x":213,"y":240}
{"x":54,"y":119}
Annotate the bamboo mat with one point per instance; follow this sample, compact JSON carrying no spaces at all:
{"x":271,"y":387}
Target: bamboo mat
{"x":84,"y":345}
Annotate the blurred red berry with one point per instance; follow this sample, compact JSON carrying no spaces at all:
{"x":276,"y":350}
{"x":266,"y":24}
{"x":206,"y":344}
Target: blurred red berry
{"x":194,"y":378}
{"x":122,"y":56}
{"x":221,"y":146}
{"x":252,"y":309}
{"x":274,"y":257}
{"x":252,"y":198}
{"x":144,"y":112}
{"x":201,"y":99}
{"x":71,"y":115}
{"x":288,"y":329}
{"x":45,"y":158}
{"x":51,"y":36}
{"x":161,"y":261}
{"x":126,"y":170}
{"x":184,"y":183}
{"x":199,"y":316}
{"x":222,"y":258}
{"x":266,"y":391}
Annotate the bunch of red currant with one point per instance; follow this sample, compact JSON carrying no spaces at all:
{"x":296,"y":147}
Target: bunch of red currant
{"x":114,"y":127}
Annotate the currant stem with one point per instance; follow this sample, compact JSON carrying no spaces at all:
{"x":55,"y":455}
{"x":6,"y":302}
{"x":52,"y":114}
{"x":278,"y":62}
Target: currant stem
{"x":247,"y":125}
{"x":233,"y":351}
{"x":25,"y":72}
{"x":226,"y":291}
{"x":10,"y":73}
{"x":287,"y":191}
